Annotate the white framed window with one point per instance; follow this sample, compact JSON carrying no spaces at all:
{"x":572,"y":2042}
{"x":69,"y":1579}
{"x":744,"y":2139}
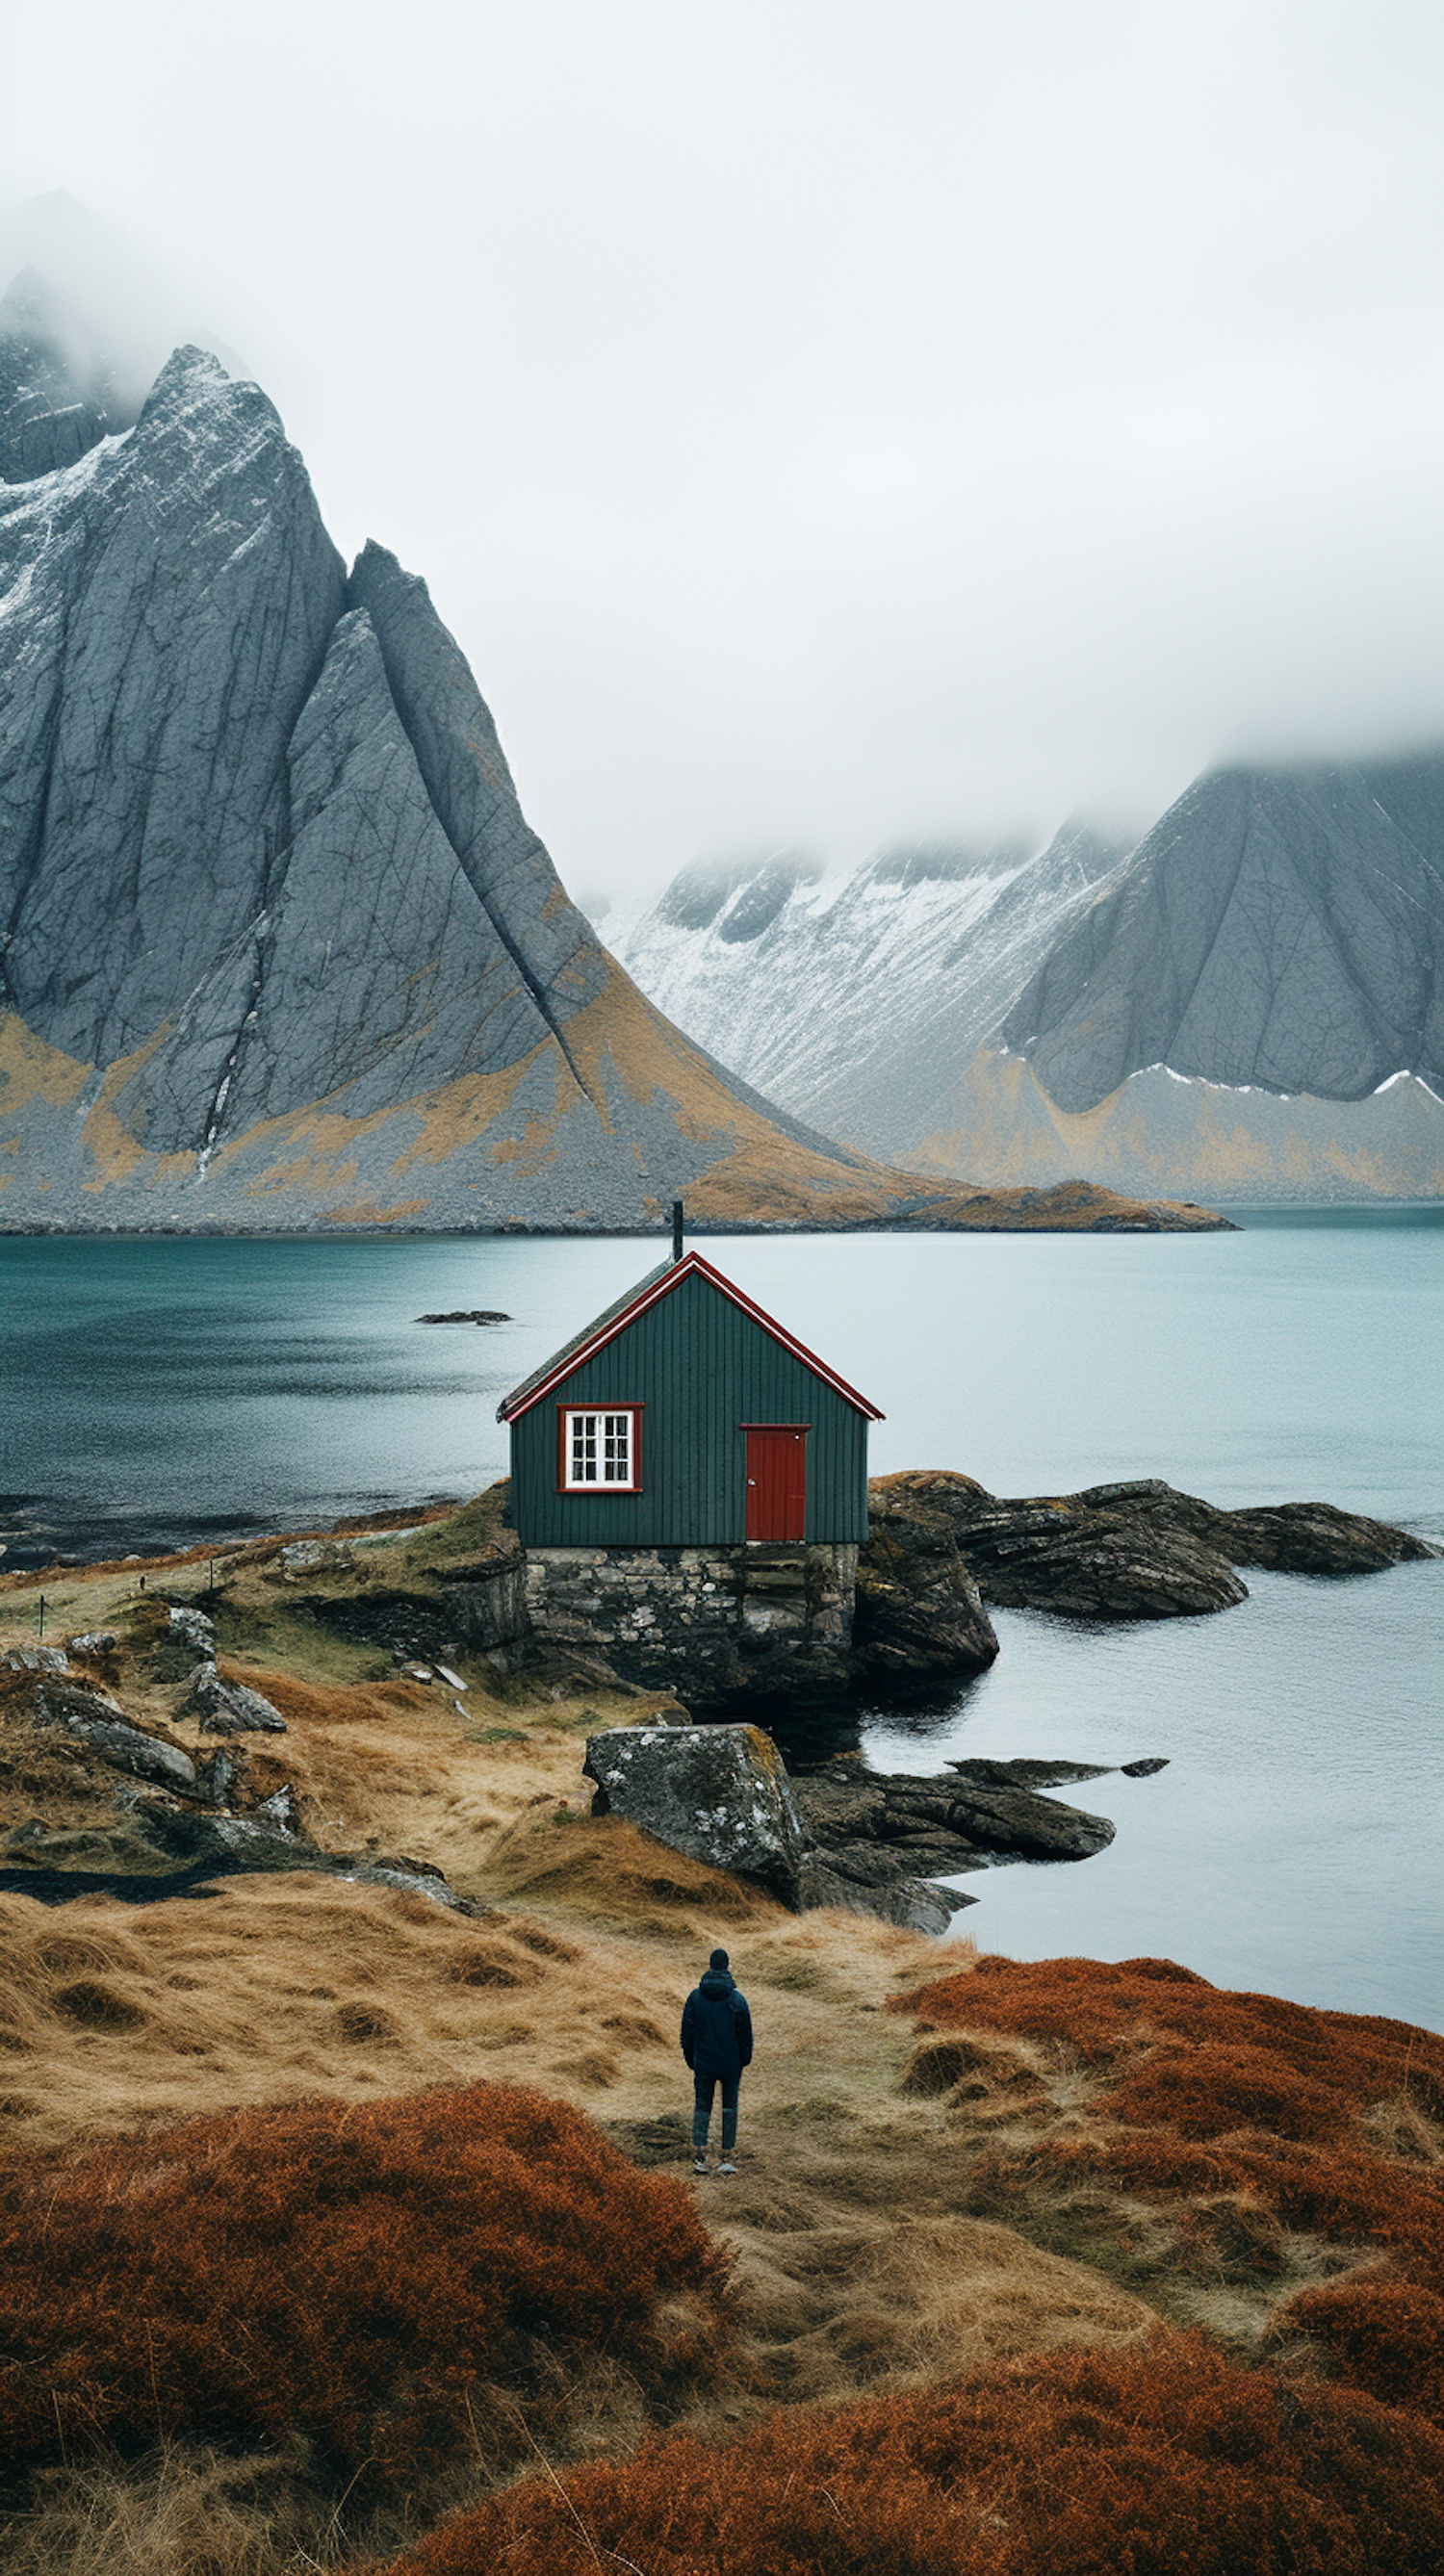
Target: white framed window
{"x":600,"y":1449}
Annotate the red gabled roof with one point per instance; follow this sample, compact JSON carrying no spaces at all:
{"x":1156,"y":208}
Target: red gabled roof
{"x":616,"y":1319}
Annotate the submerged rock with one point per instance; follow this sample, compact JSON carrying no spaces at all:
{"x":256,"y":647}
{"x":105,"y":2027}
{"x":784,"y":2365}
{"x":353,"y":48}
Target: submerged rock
{"x":468,"y":1315}
{"x":939,"y":1824}
{"x":1028,"y":1775}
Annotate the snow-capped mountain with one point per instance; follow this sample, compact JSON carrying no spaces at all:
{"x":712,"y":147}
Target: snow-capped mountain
{"x":1247,"y":1004}
{"x":854,"y":998}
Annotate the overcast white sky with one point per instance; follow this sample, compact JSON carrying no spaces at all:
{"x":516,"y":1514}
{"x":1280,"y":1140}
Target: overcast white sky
{"x":826,"y":422}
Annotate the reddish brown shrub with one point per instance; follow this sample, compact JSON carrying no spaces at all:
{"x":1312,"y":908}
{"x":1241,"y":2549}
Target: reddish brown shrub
{"x":1232,"y":2104}
{"x":1383,"y":2336}
{"x":1207,"y":2091}
{"x":1168,"y":2462}
{"x":1333,"y":2192}
{"x":352,"y":2273}
{"x":1107,"y":2012}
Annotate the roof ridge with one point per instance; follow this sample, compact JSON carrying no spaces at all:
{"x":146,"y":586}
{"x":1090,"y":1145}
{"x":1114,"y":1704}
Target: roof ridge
{"x":614,"y":1318}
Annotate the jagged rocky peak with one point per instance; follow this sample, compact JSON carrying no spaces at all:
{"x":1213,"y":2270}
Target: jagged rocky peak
{"x":740,"y":897}
{"x":263,"y":834}
{"x":1277,"y":929}
{"x":179,"y":591}
{"x":451,"y":731}
{"x":56,"y":400}
{"x":86,"y":323}
{"x":867,"y":987}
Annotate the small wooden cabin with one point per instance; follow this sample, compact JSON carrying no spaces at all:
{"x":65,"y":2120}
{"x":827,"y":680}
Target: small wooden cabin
{"x":685,"y":1417}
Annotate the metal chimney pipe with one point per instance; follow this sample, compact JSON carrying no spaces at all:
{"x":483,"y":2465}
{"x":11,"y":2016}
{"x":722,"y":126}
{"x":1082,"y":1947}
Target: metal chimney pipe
{"x":676,"y":1229}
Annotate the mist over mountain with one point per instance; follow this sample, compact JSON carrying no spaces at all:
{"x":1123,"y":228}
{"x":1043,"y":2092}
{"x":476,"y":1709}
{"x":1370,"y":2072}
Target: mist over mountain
{"x":1249,"y":1003}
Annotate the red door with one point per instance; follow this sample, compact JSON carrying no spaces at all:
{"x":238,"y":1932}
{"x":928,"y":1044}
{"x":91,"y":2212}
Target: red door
{"x":776,"y":1479}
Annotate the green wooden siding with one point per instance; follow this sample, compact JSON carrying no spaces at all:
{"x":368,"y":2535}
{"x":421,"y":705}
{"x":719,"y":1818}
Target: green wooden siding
{"x":700,"y":1368}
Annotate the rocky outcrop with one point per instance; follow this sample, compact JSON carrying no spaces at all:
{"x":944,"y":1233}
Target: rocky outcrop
{"x":478,"y":1607}
{"x":224,"y":1707}
{"x":280,"y":948}
{"x":919,"y":1615}
{"x":101,"y":1725}
{"x":158,"y":1850}
{"x":890,"y":1832}
{"x":722,"y":1795}
{"x":1287,"y":1538}
{"x":1137,"y":1550}
{"x":871,"y":1842}
{"x":1062,"y":1556}
{"x":718,"y":1794}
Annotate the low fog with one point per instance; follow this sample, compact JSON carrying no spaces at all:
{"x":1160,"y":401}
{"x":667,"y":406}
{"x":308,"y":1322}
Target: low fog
{"x":823,"y":424}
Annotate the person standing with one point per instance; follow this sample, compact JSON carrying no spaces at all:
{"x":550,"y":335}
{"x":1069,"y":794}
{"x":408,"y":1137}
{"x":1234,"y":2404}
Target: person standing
{"x":717,"y":2044}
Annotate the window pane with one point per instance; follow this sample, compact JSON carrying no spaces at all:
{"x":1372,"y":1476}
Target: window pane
{"x":584,"y":1449}
{"x":617,"y":1448}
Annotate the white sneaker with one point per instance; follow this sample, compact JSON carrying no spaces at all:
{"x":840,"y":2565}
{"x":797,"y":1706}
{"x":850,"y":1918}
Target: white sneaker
{"x":699,"y":2165}
{"x":727,"y":2166}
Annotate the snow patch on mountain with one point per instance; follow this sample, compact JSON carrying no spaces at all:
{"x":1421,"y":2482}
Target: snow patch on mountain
{"x":851,"y":997}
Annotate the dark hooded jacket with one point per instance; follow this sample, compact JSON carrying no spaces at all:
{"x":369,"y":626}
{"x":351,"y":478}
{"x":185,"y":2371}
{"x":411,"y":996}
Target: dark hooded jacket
{"x":717,"y":2026}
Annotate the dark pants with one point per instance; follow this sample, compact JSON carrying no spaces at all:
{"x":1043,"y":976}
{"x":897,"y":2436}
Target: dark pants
{"x":702,"y":2111}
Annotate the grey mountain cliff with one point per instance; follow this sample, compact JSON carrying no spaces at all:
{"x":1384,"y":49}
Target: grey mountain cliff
{"x":1278,"y":929}
{"x":278,"y":947}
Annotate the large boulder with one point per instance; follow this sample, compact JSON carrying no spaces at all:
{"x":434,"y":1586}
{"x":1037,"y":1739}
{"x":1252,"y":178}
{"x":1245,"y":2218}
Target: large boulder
{"x":919,"y":1615}
{"x":718,"y":1794}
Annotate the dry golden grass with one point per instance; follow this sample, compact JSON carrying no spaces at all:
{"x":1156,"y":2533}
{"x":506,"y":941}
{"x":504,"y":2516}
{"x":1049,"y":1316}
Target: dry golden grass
{"x":899,"y":2218}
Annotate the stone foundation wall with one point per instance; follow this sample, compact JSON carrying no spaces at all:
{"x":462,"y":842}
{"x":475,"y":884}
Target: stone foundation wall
{"x":721,"y":1626}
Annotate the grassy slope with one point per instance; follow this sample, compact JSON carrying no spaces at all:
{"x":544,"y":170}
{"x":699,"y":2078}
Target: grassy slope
{"x":901,"y":2217}
{"x":627,"y":1079}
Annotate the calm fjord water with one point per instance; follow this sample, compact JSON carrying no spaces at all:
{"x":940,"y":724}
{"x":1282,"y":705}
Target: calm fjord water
{"x":158,"y":1390}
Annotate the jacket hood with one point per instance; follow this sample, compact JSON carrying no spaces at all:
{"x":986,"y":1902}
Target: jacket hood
{"x":717,"y":1981}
